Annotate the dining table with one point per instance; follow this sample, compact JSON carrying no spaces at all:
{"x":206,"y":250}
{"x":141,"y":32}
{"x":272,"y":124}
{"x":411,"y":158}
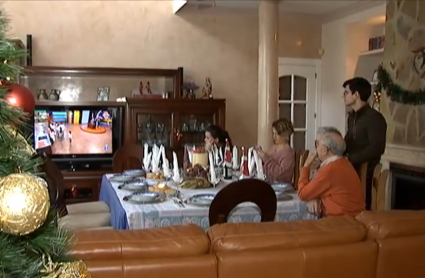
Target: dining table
{"x":128,"y":216}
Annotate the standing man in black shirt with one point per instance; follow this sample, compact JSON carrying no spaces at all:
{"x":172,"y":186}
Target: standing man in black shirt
{"x":366,"y":130}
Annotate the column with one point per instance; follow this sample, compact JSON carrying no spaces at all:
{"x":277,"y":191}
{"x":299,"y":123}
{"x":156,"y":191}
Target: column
{"x":268,"y":64}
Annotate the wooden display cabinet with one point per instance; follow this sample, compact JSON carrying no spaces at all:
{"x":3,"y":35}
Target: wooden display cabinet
{"x":171,"y":123}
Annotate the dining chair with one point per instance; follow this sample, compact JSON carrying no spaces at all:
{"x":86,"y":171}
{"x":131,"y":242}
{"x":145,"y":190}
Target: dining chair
{"x":382,"y":185}
{"x":247,"y":190}
{"x":128,"y":156}
{"x":362,"y":172}
{"x":375,"y":181}
{"x":90,"y":215}
{"x":300,"y":158}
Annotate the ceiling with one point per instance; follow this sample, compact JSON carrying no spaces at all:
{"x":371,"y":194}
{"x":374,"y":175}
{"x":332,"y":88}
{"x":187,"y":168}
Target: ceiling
{"x":314,"y":7}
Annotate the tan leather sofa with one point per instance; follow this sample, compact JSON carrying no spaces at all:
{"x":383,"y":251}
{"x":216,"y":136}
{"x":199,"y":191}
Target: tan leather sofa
{"x":375,"y":244}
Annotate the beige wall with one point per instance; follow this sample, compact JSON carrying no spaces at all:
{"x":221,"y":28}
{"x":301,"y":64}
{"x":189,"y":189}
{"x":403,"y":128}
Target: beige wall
{"x":145,"y":34}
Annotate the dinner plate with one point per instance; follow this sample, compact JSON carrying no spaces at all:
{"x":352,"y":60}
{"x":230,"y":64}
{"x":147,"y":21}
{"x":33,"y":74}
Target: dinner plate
{"x":134,"y":185}
{"x":201,"y":200}
{"x":141,"y":198}
{"x":121,"y":178}
{"x":135,"y":172}
{"x":282,"y":187}
{"x":284,"y":197}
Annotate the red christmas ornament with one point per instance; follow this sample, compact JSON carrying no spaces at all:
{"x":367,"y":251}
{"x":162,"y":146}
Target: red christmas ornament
{"x":21,"y":97}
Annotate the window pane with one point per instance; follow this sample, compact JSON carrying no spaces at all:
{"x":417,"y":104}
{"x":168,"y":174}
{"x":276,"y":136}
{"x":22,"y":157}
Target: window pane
{"x":285,"y":87}
{"x":300,"y":115}
{"x":300,"y":88}
{"x":285,"y":111}
{"x":298,"y":140}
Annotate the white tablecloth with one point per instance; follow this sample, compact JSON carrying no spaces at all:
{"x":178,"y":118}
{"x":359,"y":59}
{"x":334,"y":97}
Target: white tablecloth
{"x":169,"y":213}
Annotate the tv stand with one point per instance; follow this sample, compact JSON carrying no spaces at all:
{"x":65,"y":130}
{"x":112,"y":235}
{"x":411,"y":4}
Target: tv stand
{"x":82,"y":180}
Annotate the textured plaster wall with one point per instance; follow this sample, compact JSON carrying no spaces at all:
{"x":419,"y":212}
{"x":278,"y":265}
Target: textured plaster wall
{"x":146,"y":34}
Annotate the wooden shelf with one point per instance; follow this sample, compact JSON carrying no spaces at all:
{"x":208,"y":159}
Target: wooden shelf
{"x":372,"y":52}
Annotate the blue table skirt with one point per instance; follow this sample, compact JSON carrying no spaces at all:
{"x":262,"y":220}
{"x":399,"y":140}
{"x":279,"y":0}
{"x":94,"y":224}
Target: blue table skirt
{"x":108,"y":195}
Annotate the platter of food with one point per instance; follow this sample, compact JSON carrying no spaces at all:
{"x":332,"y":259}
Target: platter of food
{"x":155,"y":176}
{"x":163,"y":188}
{"x":195,"y":183}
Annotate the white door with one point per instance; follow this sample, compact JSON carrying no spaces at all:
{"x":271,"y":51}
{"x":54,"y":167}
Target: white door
{"x":297,"y":102}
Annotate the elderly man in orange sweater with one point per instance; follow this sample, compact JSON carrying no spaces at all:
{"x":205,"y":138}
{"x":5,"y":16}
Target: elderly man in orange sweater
{"x":336,"y":185}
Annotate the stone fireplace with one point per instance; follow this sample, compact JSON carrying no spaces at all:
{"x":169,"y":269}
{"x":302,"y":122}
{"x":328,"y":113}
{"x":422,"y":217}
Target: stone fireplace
{"x":405,"y":152}
{"x":406,"y":183}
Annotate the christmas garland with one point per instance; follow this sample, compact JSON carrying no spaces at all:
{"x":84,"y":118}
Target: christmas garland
{"x":395,"y":92}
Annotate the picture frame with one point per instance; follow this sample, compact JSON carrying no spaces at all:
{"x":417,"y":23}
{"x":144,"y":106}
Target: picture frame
{"x":103,"y":93}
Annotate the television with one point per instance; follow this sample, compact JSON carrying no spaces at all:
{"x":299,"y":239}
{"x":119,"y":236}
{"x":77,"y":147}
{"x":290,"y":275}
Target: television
{"x":78,"y":133}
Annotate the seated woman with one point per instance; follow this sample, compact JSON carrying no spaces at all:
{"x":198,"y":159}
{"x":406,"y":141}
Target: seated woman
{"x":279,"y":161}
{"x":215,"y":135}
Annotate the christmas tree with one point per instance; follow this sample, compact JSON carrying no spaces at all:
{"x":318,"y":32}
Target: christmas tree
{"x":31,"y":243}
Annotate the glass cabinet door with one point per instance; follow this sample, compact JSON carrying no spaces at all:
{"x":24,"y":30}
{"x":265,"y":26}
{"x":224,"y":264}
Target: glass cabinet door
{"x":192,"y":127}
{"x":154,"y":128}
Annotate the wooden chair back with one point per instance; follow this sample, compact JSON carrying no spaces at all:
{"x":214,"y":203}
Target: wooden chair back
{"x":248,"y":190}
{"x":362,"y":171}
{"x":55,"y":181}
{"x":300,"y":158}
{"x":127,"y":157}
{"x":375,"y":181}
{"x":382,"y":185}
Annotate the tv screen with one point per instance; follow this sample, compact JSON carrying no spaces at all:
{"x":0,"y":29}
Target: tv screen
{"x":76,"y":131}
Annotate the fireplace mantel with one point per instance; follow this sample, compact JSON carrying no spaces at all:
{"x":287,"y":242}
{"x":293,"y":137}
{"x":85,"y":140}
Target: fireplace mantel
{"x":407,"y":155}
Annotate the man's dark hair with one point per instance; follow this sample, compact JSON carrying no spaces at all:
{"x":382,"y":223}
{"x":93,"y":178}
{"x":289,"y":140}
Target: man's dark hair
{"x":359,"y":85}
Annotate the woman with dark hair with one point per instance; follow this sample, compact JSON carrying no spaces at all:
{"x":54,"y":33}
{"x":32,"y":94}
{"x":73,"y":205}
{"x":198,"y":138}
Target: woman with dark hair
{"x":279,"y":161}
{"x":215,"y":135}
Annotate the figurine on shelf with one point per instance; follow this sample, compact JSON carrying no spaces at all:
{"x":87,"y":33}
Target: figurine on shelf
{"x":207,"y":89}
{"x":141,"y":88}
{"x":148,"y":88}
{"x":190,"y":88}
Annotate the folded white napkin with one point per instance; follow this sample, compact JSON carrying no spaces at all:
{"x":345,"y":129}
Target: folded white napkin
{"x":259,"y":166}
{"x":166,"y":168}
{"x":176,"y":170}
{"x":156,"y":154}
{"x":251,"y":161}
{"x":216,"y":156}
{"x":235,"y":164}
{"x":213,"y":177}
{"x":163,"y":156}
{"x":190,"y":153}
{"x":147,"y":157}
{"x":220,"y":154}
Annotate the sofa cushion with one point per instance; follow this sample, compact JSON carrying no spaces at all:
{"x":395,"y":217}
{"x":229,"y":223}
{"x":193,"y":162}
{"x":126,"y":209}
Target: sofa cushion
{"x":89,"y":207}
{"x":78,"y":222}
{"x":285,"y":235}
{"x":173,"y":241}
{"x":386,"y":224}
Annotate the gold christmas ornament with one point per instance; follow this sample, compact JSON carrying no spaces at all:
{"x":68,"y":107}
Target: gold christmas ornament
{"x":24,"y":203}
{"x":77,"y":269}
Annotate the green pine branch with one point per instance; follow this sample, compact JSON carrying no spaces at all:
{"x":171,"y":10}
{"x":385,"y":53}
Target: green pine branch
{"x":21,"y":257}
